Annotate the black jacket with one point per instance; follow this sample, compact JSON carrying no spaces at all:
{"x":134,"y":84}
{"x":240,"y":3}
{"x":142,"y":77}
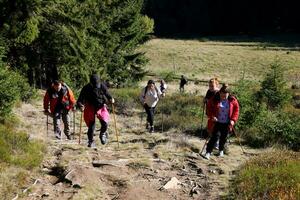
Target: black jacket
{"x":96,"y":96}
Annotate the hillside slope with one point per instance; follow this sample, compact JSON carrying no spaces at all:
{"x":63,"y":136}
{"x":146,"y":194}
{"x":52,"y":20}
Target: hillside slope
{"x":138,"y":169}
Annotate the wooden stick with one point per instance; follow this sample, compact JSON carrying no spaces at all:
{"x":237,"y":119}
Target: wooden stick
{"x":115,"y":122}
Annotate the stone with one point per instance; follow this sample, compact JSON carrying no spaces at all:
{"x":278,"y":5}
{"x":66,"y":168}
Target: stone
{"x":174,"y":183}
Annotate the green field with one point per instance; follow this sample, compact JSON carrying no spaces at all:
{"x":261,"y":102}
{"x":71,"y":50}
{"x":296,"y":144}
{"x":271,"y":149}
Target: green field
{"x":230,"y":60}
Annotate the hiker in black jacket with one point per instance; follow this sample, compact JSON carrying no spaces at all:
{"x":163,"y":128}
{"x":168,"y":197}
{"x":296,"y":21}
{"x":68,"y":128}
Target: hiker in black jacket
{"x":92,"y":100}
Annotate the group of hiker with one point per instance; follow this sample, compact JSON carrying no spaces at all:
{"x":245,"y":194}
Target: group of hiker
{"x":92,"y":101}
{"x":222,"y":109}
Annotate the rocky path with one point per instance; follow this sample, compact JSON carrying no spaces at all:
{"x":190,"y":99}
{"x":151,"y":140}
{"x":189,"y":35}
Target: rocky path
{"x":144,"y":166}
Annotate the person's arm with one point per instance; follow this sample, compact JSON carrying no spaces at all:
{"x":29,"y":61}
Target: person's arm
{"x":106,"y":93}
{"x":81,"y":98}
{"x":235,"y":112}
{"x":71,"y":98}
{"x":46,"y":102}
{"x":143,"y":96}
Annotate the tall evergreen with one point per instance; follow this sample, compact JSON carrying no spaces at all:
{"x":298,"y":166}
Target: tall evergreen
{"x":69,"y":39}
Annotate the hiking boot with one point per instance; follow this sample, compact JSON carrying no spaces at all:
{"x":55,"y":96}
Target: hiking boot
{"x":207,"y":156}
{"x":221,"y":153}
{"x":69,"y":137}
{"x":91,"y":144}
{"x":103,"y":138}
{"x":57,"y":136}
{"x":151,"y":130}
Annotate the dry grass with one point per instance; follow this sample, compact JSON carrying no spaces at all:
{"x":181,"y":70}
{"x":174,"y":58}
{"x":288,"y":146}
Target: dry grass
{"x":228,"y":60}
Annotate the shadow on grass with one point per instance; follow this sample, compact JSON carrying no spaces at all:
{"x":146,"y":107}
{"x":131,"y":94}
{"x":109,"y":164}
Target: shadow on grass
{"x":287,"y":42}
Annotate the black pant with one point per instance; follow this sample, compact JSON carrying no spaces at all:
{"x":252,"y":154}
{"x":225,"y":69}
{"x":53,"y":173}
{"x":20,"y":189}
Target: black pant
{"x":223,"y":129}
{"x":150,"y":114}
{"x":92,"y":129}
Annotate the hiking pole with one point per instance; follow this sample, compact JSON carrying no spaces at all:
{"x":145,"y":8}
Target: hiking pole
{"x":47,"y":124}
{"x":201,"y":132}
{"x":113,"y":110}
{"x":80,"y":127}
{"x":74,"y":117}
{"x":162,"y":116}
{"x":233,"y":130}
{"x":206,"y":141}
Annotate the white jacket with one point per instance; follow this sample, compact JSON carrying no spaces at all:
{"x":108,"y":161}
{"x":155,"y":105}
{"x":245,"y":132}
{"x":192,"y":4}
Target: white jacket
{"x":151,"y":97}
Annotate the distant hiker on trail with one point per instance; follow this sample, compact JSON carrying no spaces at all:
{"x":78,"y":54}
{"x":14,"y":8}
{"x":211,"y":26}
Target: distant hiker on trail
{"x":223,"y":110}
{"x":61,"y":100}
{"x":163,"y":86}
{"x":183,"y":81}
{"x":92,"y":100}
{"x":149,"y":98}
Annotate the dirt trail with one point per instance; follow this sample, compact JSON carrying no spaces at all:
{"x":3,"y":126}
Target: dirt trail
{"x":139,"y":169}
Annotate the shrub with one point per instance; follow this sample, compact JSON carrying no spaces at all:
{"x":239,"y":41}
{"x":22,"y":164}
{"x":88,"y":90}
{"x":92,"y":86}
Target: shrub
{"x":126,"y":99}
{"x":273,"y":88}
{"x":245,"y":93}
{"x":181,"y":111}
{"x":12,"y":88}
{"x":275,"y":127}
{"x":16,"y":149}
{"x":274,"y":175}
{"x":264,"y":121}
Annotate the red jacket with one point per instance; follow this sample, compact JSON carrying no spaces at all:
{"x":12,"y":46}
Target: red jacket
{"x":213,"y":109}
{"x":64,"y":99}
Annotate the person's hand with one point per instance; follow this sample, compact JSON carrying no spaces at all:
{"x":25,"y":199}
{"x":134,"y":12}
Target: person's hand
{"x":46,"y":112}
{"x":82,"y":108}
{"x":231,"y":122}
{"x":215,"y":119}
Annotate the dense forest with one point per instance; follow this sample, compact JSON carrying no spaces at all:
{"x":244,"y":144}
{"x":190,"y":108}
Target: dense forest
{"x":219,"y":17}
{"x":69,"y":40}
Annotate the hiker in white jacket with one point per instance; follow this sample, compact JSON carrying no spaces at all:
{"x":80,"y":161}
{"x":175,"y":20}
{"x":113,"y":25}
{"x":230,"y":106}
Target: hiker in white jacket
{"x":149,"y":97}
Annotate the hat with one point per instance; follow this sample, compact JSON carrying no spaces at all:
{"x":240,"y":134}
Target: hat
{"x":95,"y":80}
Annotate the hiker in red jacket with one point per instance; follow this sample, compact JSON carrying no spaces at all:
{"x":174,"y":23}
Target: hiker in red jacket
{"x":223,"y":110}
{"x":92,"y":100}
{"x":213,"y":88}
{"x":61,"y":100}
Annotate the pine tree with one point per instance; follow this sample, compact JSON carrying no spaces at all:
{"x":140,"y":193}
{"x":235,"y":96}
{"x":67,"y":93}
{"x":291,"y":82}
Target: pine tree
{"x":70,"y":39}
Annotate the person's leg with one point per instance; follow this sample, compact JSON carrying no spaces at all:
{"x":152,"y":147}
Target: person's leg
{"x":103,"y":132}
{"x":90,"y":133}
{"x":66,"y":121}
{"x":56,"y":124}
{"x":147,"y":109}
{"x":213,"y":139}
{"x":151,"y":119}
{"x":89,"y":118}
{"x":223,"y":137}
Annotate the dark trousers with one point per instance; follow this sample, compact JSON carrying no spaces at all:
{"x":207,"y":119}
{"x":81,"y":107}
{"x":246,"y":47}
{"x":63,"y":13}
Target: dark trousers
{"x":91,"y":129}
{"x":223,"y":129}
{"x":150,"y":114}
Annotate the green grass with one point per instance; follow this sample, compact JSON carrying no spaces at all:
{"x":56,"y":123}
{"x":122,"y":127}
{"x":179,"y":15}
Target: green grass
{"x":16,"y":149}
{"x":19,"y":158}
{"x":273,"y":175}
{"x":228,"y":60}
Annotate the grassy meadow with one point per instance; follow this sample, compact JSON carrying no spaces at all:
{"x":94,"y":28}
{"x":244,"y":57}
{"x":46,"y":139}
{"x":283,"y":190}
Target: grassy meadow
{"x":226,"y":58}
